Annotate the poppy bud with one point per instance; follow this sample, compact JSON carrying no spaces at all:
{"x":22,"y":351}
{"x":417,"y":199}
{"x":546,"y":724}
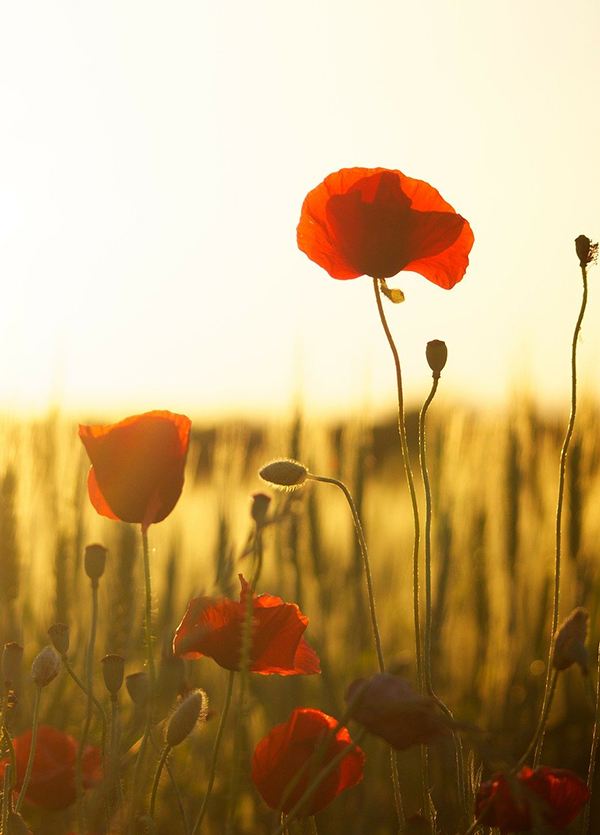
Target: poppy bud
{"x":569,"y":642}
{"x":59,"y":635}
{"x":45,"y":667}
{"x":95,"y":561}
{"x":437,"y":354}
{"x":145,"y":825}
{"x":587,"y":252}
{"x":11,"y":661}
{"x":113,"y":670}
{"x":138,"y":687}
{"x":285,"y":474}
{"x":16,"y":825}
{"x":260,"y":506}
{"x":184,"y":720}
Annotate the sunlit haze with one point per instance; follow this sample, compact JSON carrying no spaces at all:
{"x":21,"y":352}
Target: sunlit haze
{"x":155,"y":158}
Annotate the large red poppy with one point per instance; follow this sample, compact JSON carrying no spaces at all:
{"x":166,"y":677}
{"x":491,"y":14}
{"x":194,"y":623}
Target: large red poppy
{"x":287,"y":748}
{"x":387,"y":706}
{"x":552,"y":796}
{"x":137,"y":466}
{"x":377,"y":222}
{"x":52,"y":784}
{"x":214,"y":627}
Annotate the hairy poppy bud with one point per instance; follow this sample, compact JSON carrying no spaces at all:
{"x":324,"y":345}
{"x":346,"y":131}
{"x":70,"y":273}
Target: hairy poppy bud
{"x":11,"y":661}
{"x":45,"y":667}
{"x":569,"y":642}
{"x":286,"y":474}
{"x":59,"y":635}
{"x":587,"y":252}
{"x":138,"y":687}
{"x":184,"y":720}
{"x":113,"y":670}
{"x":260,"y":506}
{"x":95,"y":561}
{"x":437,"y":354}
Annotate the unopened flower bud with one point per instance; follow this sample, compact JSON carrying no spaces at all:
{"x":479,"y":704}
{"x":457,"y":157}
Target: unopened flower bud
{"x":145,"y":825}
{"x":260,"y":506}
{"x":184,"y":720}
{"x":437,"y":354}
{"x":286,"y":474}
{"x":587,"y":252}
{"x":11,"y":661}
{"x":45,"y":667}
{"x":59,"y":635}
{"x":569,"y":642}
{"x":113,"y":670}
{"x":138,"y":687}
{"x":95,"y":561}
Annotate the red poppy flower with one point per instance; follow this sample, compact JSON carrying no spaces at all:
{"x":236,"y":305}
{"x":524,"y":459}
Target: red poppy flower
{"x":137,"y":466}
{"x":388,"y":707}
{"x":553,"y":796}
{"x":214,"y":628}
{"x":377,"y":222}
{"x":52,"y":783}
{"x":288,"y":747}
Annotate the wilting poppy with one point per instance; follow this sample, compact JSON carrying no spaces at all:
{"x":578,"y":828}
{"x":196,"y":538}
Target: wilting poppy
{"x":547,"y":796}
{"x":137,"y":466}
{"x":287,"y":749}
{"x":388,"y":707}
{"x":52,"y":784}
{"x":214,"y":627}
{"x":377,"y":222}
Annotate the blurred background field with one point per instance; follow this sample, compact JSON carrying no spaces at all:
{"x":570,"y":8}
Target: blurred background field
{"x":494,"y":479}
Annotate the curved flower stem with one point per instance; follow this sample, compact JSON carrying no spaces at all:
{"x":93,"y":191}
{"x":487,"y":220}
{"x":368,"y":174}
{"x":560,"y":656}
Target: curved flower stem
{"x":34,"y":730}
{"x":365,"y":558}
{"x":115,"y":762}
{"x":6,"y":737}
{"x":560,"y":499}
{"x":541,"y":727}
{"x":593,"y":750}
{"x":460,"y":776}
{"x":151,"y":675}
{"x":174,"y":785}
{"x":215,"y":754}
{"x":89,"y":690}
{"x":320,"y":777}
{"x":163,"y":758}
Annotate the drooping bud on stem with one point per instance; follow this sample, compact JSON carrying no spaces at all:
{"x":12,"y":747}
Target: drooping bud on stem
{"x":45,"y":667}
{"x":587,"y":252}
{"x":569,"y":642}
{"x":437,"y":354}
{"x":285,"y":474}
{"x":113,"y":670}
{"x":259,"y":508}
{"x":11,"y":661}
{"x":59,"y":635}
{"x":185,"y":718}
{"x":95,"y":561}
{"x":138,"y":687}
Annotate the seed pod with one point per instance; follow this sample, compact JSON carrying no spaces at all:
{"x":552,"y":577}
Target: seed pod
{"x":437,"y":354}
{"x":569,"y":642}
{"x":59,"y":635}
{"x":286,"y":474}
{"x":138,"y":687}
{"x":184,"y":720}
{"x":113,"y":670}
{"x":95,"y":561}
{"x":45,"y":667}
{"x":11,"y":661}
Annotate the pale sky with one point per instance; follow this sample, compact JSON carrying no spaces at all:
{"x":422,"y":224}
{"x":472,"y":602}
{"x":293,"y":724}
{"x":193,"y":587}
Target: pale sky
{"x":153,"y":162}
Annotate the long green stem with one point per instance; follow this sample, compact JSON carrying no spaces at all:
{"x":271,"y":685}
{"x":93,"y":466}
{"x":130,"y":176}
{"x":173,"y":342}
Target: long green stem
{"x":593,"y":750}
{"x":174,"y":785}
{"x":7,"y":737}
{"x":365,"y":558}
{"x":151,"y":676}
{"x":560,"y":501}
{"x":541,"y":726}
{"x":215,"y":754}
{"x":161,"y":763}
{"x":34,"y":730}
{"x":115,"y":762}
{"x":6,"y":795}
{"x":460,"y":776}
{"x":89,"y":677}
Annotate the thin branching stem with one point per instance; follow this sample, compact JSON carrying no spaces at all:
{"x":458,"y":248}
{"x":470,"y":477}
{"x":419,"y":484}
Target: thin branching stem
{"x":541,"y":727}
{"x":593,"y":750}
{"x":89,"y":690}
{"x":161,"y":764}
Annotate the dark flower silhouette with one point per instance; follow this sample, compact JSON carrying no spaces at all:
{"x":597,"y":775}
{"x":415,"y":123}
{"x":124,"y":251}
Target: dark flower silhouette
{"x":52,"y":783}
{"x":387,"y":706}
{"x":532,"y":799}
{"x":287,"y":749}
{"x":214,"y":627}
{"x":377,"y":222}
{"x":137,"y":466}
